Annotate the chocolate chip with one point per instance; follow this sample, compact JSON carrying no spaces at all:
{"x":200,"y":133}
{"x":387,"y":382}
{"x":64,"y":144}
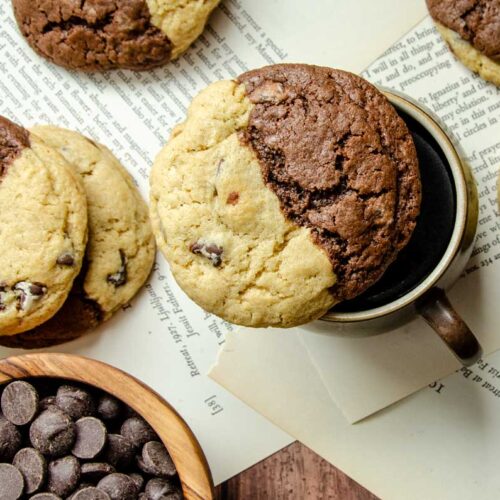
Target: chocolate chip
{"x":90,"y":493}
{"x":66,"y":259}
{"x":138,"y":480}
{"x":119,"y":451}
{"x":52,"y":432}
{"x":208,"y":250}
{"x":19,"y":402}
{"x":120,"y":277}
{"x":76,"y":402}
{"x":156,"y":461}
{"x":109,"y":408}
{"x":33,"y":467}
{"x":95,"y":471}
{"x":233,"y":198}
{"x":47,"y":402}
{"x":138,"y":431}
{"x":119,"y":487}
{"x":11,"y":482}
{"x":81,"y":486}
{"x":10,"y":440}
{"x":28,"y":293}
{"x":45,"y":496}
{"x":90,"y":438}
{"x":160,"y":489}
{"x":63,"y":475}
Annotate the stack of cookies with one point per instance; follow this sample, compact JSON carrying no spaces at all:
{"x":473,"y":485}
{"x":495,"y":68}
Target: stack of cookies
{"x":76,"y":239}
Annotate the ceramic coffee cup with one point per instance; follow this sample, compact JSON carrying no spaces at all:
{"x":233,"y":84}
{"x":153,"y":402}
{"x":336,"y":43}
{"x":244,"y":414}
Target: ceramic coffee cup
{"x":438,"y":252}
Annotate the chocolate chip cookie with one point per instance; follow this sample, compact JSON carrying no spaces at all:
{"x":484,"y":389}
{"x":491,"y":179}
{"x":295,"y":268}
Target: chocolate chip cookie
{"x":99,"y":35}
{"x":43,"y":229}
{"x":120,"y":250}
{"x":472,"y":30}
{"x":284,"y":192}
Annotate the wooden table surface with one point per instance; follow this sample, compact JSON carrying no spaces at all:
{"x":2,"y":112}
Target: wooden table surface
{"x":294,"y":473}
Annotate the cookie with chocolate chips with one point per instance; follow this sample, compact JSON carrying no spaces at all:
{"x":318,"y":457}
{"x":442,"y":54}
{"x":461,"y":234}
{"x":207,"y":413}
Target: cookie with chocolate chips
{"x":120,"y":250}
{"x":471,"y":28}
{"x":43,"y":223}
{"x":96,"y":35}
{"x":283,"y":193}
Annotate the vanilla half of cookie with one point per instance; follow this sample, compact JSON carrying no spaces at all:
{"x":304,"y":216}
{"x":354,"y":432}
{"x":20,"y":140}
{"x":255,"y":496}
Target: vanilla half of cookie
{"x":120,"y":250}
{"x":43,"y":229}
{"x":472,"y":31}
{"x":283,"y":193}
{"x":101,"y":35}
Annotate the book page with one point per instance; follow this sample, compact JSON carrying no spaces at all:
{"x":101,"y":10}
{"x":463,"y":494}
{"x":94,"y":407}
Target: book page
{"x":438,"y":444}
{"x":364,"y":375}
{"x":162,"y":337}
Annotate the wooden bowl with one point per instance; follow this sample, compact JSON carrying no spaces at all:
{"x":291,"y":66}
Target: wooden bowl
{"x":182,"y":445}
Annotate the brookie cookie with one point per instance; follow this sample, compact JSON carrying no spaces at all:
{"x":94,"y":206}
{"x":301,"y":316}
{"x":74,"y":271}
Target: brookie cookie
{"x":43,"y":228}
{"x":120,"y":250}
{"x":472,"y":30}
{"x":283,"y":193}
{"x":99,"y":35}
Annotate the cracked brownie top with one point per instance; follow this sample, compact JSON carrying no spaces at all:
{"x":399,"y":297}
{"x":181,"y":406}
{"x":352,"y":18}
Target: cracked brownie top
{"x":341,"y":161}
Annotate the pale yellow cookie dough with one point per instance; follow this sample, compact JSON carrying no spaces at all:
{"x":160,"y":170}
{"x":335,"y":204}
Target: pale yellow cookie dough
{"x":207,"y":193}
{"x":182,"y":21}
{"x":471,"y":57}
{"x":44,"y":222}
{"x":120,"y":235}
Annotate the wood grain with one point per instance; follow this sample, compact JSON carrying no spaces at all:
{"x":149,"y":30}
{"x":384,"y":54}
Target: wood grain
{"x":182,"y":445}
{"x":294,"y":473}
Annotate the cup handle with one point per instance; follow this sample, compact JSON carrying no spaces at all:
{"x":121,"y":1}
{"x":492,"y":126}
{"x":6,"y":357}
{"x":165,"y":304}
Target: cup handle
{"x":437,"y":311}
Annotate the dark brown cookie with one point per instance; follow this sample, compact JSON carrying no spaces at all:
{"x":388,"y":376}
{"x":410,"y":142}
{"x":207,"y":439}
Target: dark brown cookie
{"x":341,"y":162}
{"x":93,"y":35}
{"x":476,"y":21}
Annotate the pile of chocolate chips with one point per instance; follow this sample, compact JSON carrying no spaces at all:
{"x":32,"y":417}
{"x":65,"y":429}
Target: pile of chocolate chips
{"x":60,"y":440}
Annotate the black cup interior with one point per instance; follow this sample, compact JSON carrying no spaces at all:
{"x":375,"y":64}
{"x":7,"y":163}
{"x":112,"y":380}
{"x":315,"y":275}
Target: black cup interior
{"x":432,"y":233}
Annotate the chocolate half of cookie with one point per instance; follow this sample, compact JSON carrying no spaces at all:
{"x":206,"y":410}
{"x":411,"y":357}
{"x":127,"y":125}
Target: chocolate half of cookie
{"x":341,"y":162}
{"x":476,"y":21}
{"x":89,"y":36}
{"x":471,"y":28}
